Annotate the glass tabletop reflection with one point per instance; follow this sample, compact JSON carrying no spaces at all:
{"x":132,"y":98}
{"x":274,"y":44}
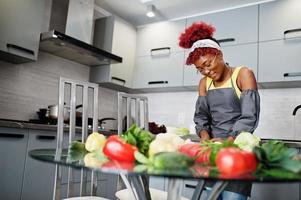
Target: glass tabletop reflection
{"x":196,"y":171}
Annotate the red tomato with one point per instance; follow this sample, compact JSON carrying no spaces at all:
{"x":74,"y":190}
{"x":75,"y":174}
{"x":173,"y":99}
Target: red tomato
{"x":251,"y":160}
{"x":117,"y":149}
{"x":196,"y":151}
{"x":231,"y":160}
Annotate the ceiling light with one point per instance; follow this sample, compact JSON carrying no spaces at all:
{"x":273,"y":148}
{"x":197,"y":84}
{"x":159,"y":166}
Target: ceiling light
{"x":150,"y":11}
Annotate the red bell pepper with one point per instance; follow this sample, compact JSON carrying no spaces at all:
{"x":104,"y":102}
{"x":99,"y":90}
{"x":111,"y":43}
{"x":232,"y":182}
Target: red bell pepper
{"x":196,"y":151}
{"x":117,"y":149}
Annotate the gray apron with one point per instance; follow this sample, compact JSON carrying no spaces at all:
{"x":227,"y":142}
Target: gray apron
{"x":225,"y":109}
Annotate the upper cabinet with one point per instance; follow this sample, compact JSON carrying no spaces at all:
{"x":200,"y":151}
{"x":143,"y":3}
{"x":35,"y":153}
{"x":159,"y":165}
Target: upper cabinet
{"x":118,"y":37}
{"x":280,"y":20}
{"x":20,"y":28}
{"x":280,"y":43}
{"x":162,"y":36}
{"x":233,"y":27}
{"x":159,"y":59}
{"x":279,"y":61}
{"x":159,"y":71}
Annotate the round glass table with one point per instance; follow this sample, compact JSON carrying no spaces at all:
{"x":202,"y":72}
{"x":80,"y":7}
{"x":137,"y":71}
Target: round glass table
{"x":137,"y":174}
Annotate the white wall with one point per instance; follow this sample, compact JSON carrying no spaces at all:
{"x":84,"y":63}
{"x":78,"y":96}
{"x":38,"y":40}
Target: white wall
{"x":24,"y":88}
{"x":276,"y":120}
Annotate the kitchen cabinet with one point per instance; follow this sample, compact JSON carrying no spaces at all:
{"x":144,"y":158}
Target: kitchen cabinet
{"x":237,"y":26}
{"x":20,"y":28}
{"x":279,"y":19}
{"x":39,"y":176}
{"x":188,"y":188}
{"x":35,"y":185}
{"x":164,"y":70}
{"x":13,"y":144}
{"x":157,"y":183}
{"x":158,"y":37}
{"x":159,"y":61}
{"x":279,"y":61}
{"x":103,"y":189}
{"x":119,"y":37}
{"x":263,"y":191}
{"x":237,"y":55}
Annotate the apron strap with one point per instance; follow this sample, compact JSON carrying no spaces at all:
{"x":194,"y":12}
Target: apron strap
{"x":210,"y":84}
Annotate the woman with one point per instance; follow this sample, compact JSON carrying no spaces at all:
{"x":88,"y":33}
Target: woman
{"x":228,"y":101}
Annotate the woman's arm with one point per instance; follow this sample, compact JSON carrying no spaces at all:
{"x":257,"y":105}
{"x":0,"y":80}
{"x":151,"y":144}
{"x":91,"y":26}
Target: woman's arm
{"x":202,"y":115}
{"x":250,"y":102}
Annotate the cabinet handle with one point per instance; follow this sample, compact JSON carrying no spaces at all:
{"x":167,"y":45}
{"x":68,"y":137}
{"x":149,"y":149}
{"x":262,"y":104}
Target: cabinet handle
{"x":190,"y":186}
{"x":226,"y":40}
{"x":160,"y":49}
{"x":20,"y":48}
{"x":119,"y":79}
{"x":292,"y":74}
{"x":8,"y":135}
{"x":45,"y":137}
{"x":157,"y":82}
{"x":292,"y":31}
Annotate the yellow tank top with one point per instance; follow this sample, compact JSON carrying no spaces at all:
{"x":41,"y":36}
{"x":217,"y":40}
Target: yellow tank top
{"x":227,"y":84}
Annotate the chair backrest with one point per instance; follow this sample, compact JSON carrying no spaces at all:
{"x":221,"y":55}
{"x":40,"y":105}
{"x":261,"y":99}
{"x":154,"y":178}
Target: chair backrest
{"x":132,"y":109}
{"x":72,"y":88}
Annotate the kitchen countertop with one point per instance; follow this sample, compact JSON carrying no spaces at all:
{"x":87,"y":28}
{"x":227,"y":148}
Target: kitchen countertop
{"x":45,"y":127}
{"x":289,"y":143}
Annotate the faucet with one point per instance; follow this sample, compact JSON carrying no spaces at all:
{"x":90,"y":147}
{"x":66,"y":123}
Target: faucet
{"x":102,"y":121}
{"x":296,"y":109}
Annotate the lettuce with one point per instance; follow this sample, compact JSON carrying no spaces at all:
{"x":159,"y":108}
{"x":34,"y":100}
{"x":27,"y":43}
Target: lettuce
{"x":246,"y":141}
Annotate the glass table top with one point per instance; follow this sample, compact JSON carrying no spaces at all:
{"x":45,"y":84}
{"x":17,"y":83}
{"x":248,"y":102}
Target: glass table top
{"x":196,"y":171}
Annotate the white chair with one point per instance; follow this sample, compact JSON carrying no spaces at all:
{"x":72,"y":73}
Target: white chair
{"x":155,"y":195}
{"x":135,"y":108}
{"x":84,"y":87}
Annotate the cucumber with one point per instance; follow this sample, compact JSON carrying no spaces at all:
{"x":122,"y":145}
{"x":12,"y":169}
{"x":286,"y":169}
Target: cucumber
{"x":171,"y":160}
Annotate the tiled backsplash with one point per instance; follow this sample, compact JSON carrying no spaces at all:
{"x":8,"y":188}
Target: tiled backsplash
{"x":25,"y":88}
{"x":276,"y":119}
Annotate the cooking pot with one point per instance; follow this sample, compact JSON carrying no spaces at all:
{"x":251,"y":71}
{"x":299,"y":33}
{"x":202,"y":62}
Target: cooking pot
{"x":53,"y":111}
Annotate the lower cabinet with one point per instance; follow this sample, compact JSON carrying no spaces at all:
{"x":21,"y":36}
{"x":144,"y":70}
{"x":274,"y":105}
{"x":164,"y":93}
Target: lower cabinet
{"x":188,"y":188}
{"x":38,"y":180}
{"x":157,"y":183}
{"x":39,"y":176}
{"x":13,"y":143}
{"x":263,"y":191}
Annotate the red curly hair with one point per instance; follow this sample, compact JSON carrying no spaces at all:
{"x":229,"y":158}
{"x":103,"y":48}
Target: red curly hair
{"x":195,"y":32}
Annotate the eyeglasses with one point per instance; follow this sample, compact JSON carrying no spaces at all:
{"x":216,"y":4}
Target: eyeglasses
{"x":206,"y":68}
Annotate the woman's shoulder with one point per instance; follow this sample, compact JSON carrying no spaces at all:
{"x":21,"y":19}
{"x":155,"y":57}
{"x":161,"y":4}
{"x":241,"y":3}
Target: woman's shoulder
{"x":202,"y":86}
{"x":246,"y":78}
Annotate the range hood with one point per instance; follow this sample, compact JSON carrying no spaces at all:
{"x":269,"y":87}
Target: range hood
{"x":73,"y":49}
{"x":70,"y":32}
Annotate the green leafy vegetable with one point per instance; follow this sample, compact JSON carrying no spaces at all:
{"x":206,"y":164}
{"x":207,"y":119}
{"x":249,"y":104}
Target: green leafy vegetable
{"x":139,"y":138}
{"x":274,"y":155}
{"x":76,"y":151}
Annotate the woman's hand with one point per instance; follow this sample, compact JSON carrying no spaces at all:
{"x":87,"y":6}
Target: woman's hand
{"x":204,"y":135}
